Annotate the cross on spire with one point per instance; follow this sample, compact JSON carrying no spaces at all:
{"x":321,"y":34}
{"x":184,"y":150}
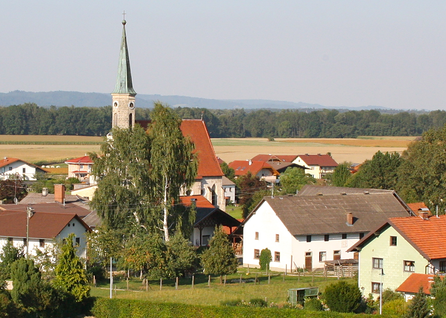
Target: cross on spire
{"x":123,"y":15}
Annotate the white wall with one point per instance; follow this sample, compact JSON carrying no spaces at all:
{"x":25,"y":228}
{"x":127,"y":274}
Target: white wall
{"x":17,"y":169}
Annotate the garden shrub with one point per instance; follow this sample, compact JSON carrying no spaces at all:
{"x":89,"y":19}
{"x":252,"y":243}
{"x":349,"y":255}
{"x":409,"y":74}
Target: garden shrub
{"x":395,"y":307}
{"x":342,"y":297}
{"x":264,"y":259}
{"x":312,"y":304}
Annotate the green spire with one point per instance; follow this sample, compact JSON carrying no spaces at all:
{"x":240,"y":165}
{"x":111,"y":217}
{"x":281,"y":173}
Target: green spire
{"x":124,"y":81}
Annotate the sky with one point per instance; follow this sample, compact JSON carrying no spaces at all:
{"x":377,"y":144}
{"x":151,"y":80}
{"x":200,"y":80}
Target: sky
{"x":332,"y":53}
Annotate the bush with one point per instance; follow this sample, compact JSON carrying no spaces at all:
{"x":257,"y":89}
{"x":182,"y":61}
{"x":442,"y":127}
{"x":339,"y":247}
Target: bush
{"x":342,"y":297}
{"x":312,"y":304}
{"x":258,"y":302}
{"x":395,"y":307}
{"x":264,"y":259}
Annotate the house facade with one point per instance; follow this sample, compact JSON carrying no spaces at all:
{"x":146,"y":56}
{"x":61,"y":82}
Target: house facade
{"x":14,"y":167}
{"x":308,"y":231}
{"x":80,"y":168}
{"x":317,"y":165}
{"x":44,"y":230}
{"x":260,"y":169}
{"x":398,"y":248}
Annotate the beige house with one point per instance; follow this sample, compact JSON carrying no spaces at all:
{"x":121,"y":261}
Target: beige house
{"x":80,"y":168}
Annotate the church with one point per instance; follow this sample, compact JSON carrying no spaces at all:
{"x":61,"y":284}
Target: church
{"x":208,"y":182}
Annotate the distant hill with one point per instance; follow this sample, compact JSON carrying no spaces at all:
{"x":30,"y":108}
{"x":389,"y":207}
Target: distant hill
{"x":78,"y":99}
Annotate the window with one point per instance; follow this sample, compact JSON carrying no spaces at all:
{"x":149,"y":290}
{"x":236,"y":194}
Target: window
{"x":409,"y":266}
{"x":24,"y":241}
{"x":336,"y":255}
{"x":256,"y":236}
{"x":277,"y":237}
{"x":206,"y":239}
{"x":326,"y":237}
{"x":78,"y":241}
{"x":344,"y":236}
{"x":10,"y":168}
{"x":361,"y":235}
{"x":42,"y":243}
{"x":308,"y":238}
{"x":442,"y":266}
{"x":10,"y":240}
{"x":276,"y":256}
{"x":393,"y":241}
{"x":322,"y":256}
{"x":24,"y":170}
{"x":377,"y":263}
{"x":256,"y":254}
{"x":375,"y":288}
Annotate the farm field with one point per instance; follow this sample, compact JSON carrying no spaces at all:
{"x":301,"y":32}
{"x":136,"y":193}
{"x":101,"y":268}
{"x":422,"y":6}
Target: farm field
{"x":34,"y":148}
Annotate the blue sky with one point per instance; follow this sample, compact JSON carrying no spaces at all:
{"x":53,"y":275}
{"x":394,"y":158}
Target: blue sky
{"x":334,"y":53}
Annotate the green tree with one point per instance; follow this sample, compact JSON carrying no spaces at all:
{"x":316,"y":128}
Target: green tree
{"x":248,"y":185}
{"x":8,"y":256}
{"x":341,"y":174}
{"x":293,"y":179}
{"x":422,"y":173}
{"x":219,"y":258}
{"x":379,"y":173}
{"x":342,"y":297}
{"x":418,"y":307}
{"x":265,"y":259}
{"x":122,"y":198}
{"x":173,"y":166}
{"x":438,"y":292}
{"x":180,"y":255}
{"x":228,"y":171}
{"x":71,"y":276}
{"x":11,"y":189}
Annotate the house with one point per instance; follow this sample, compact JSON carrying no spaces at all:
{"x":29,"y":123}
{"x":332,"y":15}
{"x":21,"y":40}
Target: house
{"x":14,"y":167}
{"x":274,"y":158}
{"x":260,"y":169}
{"x":318,"y":165}
{"x":207,"y":218}
{"x":80,"y":168}
{"x":229,"y":190}
{"x":308,"y":231}
{"x":42,"y":230}
{"x":398,"y":248}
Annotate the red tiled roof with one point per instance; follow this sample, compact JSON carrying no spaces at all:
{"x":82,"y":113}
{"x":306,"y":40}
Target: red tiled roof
{"x":41,"y":225}
{"x":200,"y":201}
{"x":413,"y":283}
{"x":419,"y":207}
{"x":319,"y":160}
{"x":51,"y":208}
{"x":427,"y":236}
{"x":81,"y":160}
{"x":241,"y":167}
{"x":6,"y":161}
{"x":282,"y":158}
{"x":207,"y":161}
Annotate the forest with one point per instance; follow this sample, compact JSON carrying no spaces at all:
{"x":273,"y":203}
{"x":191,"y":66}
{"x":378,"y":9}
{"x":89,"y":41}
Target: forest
{"x":30,"y":119}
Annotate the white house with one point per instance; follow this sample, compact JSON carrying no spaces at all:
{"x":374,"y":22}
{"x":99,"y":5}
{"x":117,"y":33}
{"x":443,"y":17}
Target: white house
{"x":307,"y":231}
{"x":229,"y":190}
{"x":13,"y":167}
{"x":317,"y":165}
{"x":44,"y":230}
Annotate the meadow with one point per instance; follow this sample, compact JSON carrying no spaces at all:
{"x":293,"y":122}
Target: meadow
{"x":34,"y":148}
{"x":274,"y":290}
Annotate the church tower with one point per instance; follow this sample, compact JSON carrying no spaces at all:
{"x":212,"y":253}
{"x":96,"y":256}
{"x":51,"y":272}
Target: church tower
{"x":123,"y":95}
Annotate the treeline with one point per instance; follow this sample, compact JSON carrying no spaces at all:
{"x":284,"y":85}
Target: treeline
{"x":30,"y":119}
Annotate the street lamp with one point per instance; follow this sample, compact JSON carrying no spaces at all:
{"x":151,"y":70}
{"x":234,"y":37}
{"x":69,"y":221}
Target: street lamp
{"x":381,"y":293}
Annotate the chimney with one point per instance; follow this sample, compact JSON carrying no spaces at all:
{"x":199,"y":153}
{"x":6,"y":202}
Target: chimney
{"x":250,"y":162}
{"x":59,"y":193}
{"x":424,"y":215}
{"x":44,"y":192}
{"x":350,"y":218}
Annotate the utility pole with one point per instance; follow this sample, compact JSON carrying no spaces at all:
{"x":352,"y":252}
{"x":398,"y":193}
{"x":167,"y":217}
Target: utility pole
{"x":29,"y":214}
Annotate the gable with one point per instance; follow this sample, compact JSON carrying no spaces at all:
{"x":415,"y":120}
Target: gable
{"x":318,"y":160}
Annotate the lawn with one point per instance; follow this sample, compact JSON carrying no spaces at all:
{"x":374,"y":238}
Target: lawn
{"x":201,"y":294}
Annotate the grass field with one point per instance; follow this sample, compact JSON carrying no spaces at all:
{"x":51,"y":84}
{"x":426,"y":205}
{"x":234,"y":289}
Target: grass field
{"x":229,"y":149}
{"x":201,"y":294}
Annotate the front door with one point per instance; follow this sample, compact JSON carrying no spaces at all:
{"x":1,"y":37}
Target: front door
{"x":309,"y":261}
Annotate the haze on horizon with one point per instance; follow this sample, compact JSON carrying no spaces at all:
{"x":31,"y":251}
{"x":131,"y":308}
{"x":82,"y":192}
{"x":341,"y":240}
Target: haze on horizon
{"x":333,"y":53}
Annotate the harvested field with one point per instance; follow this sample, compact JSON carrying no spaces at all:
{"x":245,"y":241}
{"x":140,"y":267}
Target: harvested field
{"x":228,"y":149}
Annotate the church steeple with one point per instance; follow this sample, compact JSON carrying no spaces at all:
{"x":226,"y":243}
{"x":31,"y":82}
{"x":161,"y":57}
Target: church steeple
{"x":124,"y":94}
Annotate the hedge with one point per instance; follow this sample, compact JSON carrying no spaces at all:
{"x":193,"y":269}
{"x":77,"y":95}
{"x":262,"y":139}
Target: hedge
{"x":124,"y":308}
